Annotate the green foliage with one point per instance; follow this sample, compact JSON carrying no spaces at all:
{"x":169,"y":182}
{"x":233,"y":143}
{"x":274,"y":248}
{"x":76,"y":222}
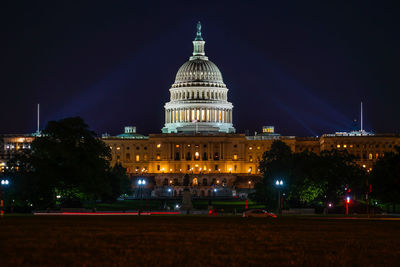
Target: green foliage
{"x":67,"y":160}
{"x":308,"y":178}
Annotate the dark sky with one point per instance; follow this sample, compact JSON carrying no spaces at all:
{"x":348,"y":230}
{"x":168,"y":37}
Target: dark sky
{"x":300,"y":66}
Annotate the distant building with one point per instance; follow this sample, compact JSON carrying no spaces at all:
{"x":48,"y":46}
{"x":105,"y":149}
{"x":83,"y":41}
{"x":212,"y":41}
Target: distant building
{"x":11,"y":144}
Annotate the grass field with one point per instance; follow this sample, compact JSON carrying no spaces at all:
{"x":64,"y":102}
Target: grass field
{"x":196,"y":241}
{"x":228,"y":206}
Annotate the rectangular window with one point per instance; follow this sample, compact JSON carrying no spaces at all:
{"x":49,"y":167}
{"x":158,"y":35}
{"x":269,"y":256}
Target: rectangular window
{"x":235,"y":157}
{"x":137,"y":158}
{"x":216,"y":167}
{"x":158,"y":167}
{"x":188,"y":167}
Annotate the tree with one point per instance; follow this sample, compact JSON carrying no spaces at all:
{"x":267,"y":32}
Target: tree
{"x":120,"y":182}
{"x":309,"y":179}
{"x":67,"y":160}
{"x":385,"y":178}
{"x":275,"y":164}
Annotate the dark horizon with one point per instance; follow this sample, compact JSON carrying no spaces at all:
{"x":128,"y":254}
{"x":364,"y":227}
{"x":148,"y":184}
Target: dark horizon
{"x":301,"y":68}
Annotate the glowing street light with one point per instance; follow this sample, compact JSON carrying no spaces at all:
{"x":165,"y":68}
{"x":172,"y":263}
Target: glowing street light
{"x":348,"y":200}
{"x":3,"y":182}
{"x":279,"y":185}
{"x":141,"y":183}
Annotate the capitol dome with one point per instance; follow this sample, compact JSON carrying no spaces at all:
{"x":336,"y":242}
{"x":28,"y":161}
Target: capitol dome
{"x":198,"y":70}
{"x":199,"y":97}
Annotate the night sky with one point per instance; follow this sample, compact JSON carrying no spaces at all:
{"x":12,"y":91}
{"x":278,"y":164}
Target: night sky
{"x":301,"y":67}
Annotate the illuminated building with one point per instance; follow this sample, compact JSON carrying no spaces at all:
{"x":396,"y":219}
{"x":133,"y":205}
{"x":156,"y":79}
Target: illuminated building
{"x":198,"y":144}
{"x":10,"y":144}
{"x":198,"y":139}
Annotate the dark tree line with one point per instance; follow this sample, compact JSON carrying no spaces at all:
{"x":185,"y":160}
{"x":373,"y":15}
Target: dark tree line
{"x":66,"y":163}
{"x":385,"y":179}
{"x":309,"y":179}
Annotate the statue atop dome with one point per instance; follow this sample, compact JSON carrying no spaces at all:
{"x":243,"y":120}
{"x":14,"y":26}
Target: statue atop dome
{"x":198,"y":35}
{"x":198,"y":45}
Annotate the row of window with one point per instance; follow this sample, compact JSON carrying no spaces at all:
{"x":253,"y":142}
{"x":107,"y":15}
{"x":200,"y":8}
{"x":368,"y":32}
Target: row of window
{"x":189,"y":145}
{"x":127,"y":148}
{"x":363,"y":145}
{"x":188,"y":157}
{"x":189,"y":168}
{"x":195,"y":181}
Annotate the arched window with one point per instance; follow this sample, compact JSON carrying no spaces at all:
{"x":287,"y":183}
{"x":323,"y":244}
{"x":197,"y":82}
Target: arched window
{"x":128,"y":156}
{"x":204,"y":181}
{"x":165,"y":182}
{"x":205,"y":156}
{"x":195,"y":182}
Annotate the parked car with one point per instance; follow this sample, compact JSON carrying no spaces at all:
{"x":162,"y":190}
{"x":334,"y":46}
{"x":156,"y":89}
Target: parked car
{"x":258,"y":213}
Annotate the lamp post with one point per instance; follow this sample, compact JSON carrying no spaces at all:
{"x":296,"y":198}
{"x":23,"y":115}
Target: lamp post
{"x":141,"y":183}
{"x":348,"y":199}
{"x":3,"y":183}
{"x":279,"y":185}
{"x":169,"y":192}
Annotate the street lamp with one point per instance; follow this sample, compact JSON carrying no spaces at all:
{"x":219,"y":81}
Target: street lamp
{"x":279,"y":185}
{"x":348,"y":200}
{"x":3,"y":183}
{"x":169,"y":191}
{"x":141,"y":183}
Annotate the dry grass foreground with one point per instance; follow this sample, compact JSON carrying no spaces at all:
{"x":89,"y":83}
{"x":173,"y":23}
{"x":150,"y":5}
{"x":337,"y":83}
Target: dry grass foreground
{"x":196,"y":241}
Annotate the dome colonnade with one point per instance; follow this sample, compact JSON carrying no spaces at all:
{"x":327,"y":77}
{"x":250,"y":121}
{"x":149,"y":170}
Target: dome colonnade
{"x":199,"y":97}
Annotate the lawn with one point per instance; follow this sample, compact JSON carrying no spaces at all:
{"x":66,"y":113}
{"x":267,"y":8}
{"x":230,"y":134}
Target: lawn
{"x":152,"y":204}
{"x":196,"y":240}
